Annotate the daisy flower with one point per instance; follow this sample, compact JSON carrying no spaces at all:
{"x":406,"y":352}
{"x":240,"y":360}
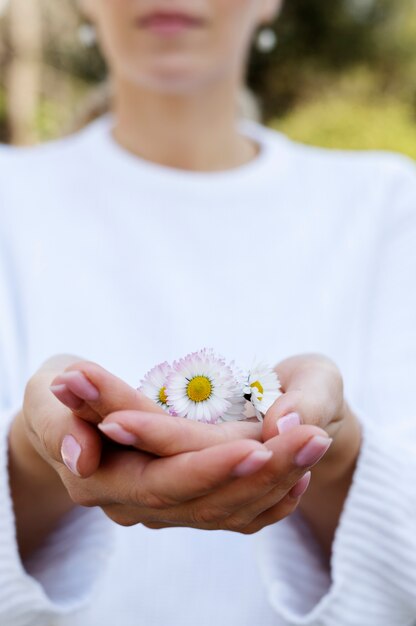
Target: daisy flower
{"x":236,"y":411}
{"x":154,"y":385}
{"x":202,"y":387}
{"x":262,"y":389}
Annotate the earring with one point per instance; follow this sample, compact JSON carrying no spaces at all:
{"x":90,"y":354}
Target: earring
{"x":87,"y":35}
{"x":266,"y":40}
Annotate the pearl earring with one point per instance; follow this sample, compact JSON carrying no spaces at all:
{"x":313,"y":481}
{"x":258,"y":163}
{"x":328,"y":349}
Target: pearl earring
{"x":87,"y":35}
{"x":266,"y":40}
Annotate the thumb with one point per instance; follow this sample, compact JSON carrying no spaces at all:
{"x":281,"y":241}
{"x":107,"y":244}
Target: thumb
{"x":57,"y":434}
{"x":78,"y":445}
{"x":313,"y":395}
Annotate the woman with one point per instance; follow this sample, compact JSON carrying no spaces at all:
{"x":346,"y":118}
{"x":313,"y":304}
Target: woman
{"x":162,"y":229}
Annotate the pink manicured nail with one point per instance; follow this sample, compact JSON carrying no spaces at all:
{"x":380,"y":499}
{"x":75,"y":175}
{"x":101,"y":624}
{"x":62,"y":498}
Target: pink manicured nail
{"x":118,"y":434}
{"x":301,"y":486}
{"x":313,"y":451}
{"x":286,"y":423}
{"x":70,"y":452}
{"x":80,"y":385}
{"x":253,"y":463}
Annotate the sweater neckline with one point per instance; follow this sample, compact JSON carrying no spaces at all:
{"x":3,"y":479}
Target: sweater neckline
{"x":272,"y":157}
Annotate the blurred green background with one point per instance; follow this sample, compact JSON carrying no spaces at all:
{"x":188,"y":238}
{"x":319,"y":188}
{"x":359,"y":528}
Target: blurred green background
{"x":341,"y":75}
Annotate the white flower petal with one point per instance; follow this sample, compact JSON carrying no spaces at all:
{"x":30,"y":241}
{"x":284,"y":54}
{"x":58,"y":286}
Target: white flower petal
{"x":264,"y":386}
{"x":154,"y":382}
{"x":205,"y":364}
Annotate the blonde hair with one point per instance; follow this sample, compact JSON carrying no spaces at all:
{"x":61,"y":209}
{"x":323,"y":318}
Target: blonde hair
{"x":99,"y":102}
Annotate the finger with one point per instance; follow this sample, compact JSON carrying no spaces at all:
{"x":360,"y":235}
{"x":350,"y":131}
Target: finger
{"x":313,"y":391}
{"x":138,"y":479}
{"x":64,"y":391}
{"x":114,"y":484}
{"x":288,"y":500}
{"x":58,"y":435}
{"x":275,"y":514}
{"x":157,"y":526}
{"x":242,"y":521}
{"x":200,"y":513}
{"x":293,"y":454}
{"x":193,"y":474}
{"x":165,"y":435}
{"x":132,"y":515}
{"x":93,"y":393}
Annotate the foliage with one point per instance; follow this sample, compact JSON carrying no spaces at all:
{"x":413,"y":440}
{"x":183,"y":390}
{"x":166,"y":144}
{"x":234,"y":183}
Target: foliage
{"x":333,"y":122}
{"x":319,"y":40}
{"x":342,"y":75}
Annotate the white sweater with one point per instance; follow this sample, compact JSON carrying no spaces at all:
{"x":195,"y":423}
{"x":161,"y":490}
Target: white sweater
{"x":129,"y":263}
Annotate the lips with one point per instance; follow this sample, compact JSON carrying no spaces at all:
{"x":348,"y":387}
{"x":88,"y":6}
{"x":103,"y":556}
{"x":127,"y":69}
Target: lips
{"x":164,"y":22}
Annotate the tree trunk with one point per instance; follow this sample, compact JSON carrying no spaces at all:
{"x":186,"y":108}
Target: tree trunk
{"x":24,"y":75}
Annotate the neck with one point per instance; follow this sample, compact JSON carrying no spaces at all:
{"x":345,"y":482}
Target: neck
{"x":193,"y":132}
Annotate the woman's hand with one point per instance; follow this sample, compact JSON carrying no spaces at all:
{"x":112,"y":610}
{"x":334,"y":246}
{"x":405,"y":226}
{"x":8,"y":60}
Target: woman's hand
{"x":313,"y":389}
{"x":240,"y":486}
{"x":44,"y":435}
{"x":183,"y":473}
{"x":208,"y":477}
{"x":314,"y":394}
{"x":39,"y":497}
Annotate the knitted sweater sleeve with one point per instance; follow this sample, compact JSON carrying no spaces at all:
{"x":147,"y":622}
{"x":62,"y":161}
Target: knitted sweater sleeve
{"x":372,"y":576}
{"x":35,"y":592}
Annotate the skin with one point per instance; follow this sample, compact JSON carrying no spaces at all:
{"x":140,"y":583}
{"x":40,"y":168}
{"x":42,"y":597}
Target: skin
{"x":185,"y":89}
{"x":170,"y":452}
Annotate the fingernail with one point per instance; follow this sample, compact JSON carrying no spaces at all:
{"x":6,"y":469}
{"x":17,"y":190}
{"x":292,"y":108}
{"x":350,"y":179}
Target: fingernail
{"x":70,"y":452}
{"x":253,"y":463}
{"x":286,"y":423}
{"x":301,"y":486}
{"x":313,"y":451}
{"x":118,"y":434}
{"x":80,"y":385}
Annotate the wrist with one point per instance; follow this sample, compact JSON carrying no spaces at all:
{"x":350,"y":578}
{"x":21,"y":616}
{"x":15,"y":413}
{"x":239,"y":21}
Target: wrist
{"x":342,"y":456}
{"x":39,"y":497}
{"x":331,"y":480}
{"x":24,"y":456}
{"x":332,"y":476}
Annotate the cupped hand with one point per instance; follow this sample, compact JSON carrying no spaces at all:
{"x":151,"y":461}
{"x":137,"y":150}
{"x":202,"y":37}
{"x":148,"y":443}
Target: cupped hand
{"x":210,"y":477}
{"x":314,"y":395}
{"x":241,"y":485}
{"x":53,"y":428}
{"x":128,"y":417}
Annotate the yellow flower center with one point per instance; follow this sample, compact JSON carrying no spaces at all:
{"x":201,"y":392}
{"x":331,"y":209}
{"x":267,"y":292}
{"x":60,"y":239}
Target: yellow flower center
{"x":257,"y":384}
{"x":163,"y":399}
{"x":199,"y":389}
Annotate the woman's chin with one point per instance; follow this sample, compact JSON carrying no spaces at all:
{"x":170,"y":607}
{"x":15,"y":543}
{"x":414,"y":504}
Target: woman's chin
{"x":178,"y":78}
